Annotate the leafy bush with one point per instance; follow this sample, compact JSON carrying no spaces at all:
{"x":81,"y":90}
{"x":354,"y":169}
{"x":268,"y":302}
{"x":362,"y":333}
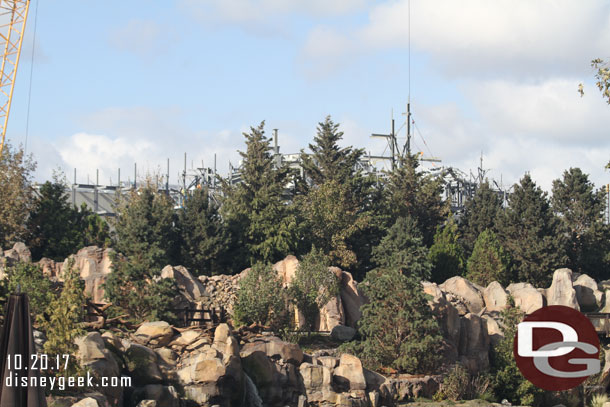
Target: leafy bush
{"x":261,"y":299}
{"x":460,"y":385}
{"x":314,"y":285}
{"x":30,"y":280}
{"x":398,"y":326}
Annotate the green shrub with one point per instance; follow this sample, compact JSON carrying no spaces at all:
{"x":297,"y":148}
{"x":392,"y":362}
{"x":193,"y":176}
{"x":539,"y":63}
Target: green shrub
{"x":313,"y":286}
{"x":66,"y":314}
{"x":261,"y":299}
{"x":29,"y":279}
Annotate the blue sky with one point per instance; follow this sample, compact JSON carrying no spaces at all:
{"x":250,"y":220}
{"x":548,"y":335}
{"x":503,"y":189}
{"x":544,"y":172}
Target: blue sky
{"x":143,"y":81}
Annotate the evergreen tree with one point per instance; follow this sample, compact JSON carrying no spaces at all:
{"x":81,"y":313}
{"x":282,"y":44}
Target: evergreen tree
{"x":261,"y":224}
{"x":16,"y":194}
{"x":146,"y":239}
{"x":402,"y":248}
{"x":94,"y":229}
{"x":446,"y":254}
{"x":327,"y":160}
{"x":530,"y":232}
{"x":330,"y":220}
{"x":480,"y":213}
{"x":409,"y":192}
{"x":338,"y":205}
{"x":508,"y":382}
{"x":66,"y":314}
{"x":203,"y":237}
{"x":56,"y":229}
{"x":397,"y":324}
{"x":53,"y":228}
{"x":488,"y":262}
{"x":581,"y":210}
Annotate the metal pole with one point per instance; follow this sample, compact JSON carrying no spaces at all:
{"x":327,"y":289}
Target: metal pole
{"x":135,"y":175}
{"x":167,"y":179}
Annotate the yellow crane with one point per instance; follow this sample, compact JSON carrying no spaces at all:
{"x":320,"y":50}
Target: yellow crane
{"x":13,"y":15}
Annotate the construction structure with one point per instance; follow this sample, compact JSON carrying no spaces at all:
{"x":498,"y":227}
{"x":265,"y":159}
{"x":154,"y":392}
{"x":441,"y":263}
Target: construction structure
{"x":13,"y":16}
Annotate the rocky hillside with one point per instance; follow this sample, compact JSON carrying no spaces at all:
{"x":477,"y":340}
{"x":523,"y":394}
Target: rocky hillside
{"x":171,"y":366}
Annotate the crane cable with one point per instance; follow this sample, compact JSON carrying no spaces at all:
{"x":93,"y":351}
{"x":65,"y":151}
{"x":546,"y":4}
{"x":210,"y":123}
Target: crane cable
{"x":27,"y":119}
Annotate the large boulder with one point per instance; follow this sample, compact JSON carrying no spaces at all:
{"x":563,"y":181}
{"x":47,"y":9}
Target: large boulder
{"x":19,"y":253}
{"x":274,"y":348}
{"x":467,"y":291}
{"x":190,"y":288}
{"x":496,"y":297}
{"x":351,"y":299}
{"x":331,"y":315}
{"x":210,"y":377}
{"x":349,"y":375}
{"x":141,"y":363}
{"x":526,"y":297}
{"x":286,"y":269}
{"x":94,"y":265}
{"x":447,"y":314}
{"x":154,"y":334}
{"x":589,"y":297}
{"x":342,"y":333}
{"x":474,"y":343}
{"x":93,"y":355}
{"x":561,"y":291}
{"x":494,"y":331}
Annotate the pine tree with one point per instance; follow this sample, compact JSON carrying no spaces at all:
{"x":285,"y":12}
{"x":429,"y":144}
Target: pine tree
{"x":261,"y":224}
{"x":397,"y":324}
{"x":16,"y":194}
{"x":203,"y":237}
{"x":530,"y":232}
{"x":507,"y":381}
{"x":409,"y":192}
{"x":327,"y":160}
{"x":489,"y":262}
{"x":53,"y":228}
{"x":330,"y":220}
{"x":66,"y":313}
{"x":403,"y":249}
{"x":480,"y":213}
{"x":337,"y":203}
{"x":581,"y":210}
{"x":446,"y":254}
{"x":146,"y":240}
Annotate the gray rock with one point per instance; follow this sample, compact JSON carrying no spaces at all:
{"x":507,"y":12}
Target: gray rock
{"x":561,"y":291}
{"x":342,"y":333}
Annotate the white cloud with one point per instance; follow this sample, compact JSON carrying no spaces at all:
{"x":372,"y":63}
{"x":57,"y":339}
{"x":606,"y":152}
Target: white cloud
{"x":119,"y":137}
{"x":478,"y":37}
{"x":542,"y":128}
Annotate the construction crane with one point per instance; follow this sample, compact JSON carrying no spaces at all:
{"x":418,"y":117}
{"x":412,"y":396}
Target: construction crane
{"x":13,"y":15}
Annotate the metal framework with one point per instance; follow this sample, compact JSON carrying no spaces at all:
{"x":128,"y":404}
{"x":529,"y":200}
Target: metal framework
{"x":13,"y":16}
